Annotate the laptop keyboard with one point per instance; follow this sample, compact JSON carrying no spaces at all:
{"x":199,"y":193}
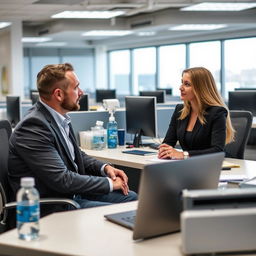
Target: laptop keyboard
{"x":129,"y":219}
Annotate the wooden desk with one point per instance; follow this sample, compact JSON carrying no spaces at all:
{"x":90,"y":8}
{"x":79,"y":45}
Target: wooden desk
{"x":86,"y":232}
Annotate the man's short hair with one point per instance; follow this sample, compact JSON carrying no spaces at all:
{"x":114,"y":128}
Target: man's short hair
{"x":52,"y":77}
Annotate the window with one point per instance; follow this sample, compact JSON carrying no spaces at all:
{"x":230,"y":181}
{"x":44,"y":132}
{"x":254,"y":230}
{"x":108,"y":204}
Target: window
{"x":172,"y":61}
{"x":40,"y":58}
{"x":83,"y":62}
{"x":81,"y":59}
{"x":120,"y":71}
{"x":207,"y":55}
{"x":240,"y":65}
{"x":144,"y":69}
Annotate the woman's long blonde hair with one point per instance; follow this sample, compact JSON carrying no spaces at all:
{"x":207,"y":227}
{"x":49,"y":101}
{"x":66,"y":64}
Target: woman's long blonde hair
{"x":206,"y":94}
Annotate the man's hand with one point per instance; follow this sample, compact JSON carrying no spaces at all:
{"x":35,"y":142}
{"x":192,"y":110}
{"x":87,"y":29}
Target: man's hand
{"x":119,"y":178}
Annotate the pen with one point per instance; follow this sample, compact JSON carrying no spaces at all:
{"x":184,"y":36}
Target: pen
{"x":226,"y":168}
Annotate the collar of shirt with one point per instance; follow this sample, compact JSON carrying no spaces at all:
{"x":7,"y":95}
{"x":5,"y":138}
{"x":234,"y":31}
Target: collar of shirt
{"x":62,"y":120}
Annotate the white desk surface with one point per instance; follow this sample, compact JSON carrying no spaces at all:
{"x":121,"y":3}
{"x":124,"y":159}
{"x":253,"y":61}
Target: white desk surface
{"x":115,"y":156}
{"x":86,"y":232}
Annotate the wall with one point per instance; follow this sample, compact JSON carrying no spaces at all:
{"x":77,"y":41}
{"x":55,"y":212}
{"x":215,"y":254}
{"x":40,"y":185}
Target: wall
{"x":5,"y":61}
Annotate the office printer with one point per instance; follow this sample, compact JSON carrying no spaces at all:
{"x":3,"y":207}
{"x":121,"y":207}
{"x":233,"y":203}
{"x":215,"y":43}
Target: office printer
{"x":215,"y":221}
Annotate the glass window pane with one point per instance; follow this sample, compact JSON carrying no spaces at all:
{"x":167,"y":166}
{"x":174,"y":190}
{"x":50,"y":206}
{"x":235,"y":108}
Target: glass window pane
{"x":144,"y":69}
{"x":172,"y":61}
{"x":83,"y":62}
{"x":207,"y":55}
{"x":40,"y":58}
{"x":119,"y":71}
{"x":240,"y":65}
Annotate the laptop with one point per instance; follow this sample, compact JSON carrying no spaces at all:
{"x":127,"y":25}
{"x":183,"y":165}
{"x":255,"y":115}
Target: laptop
{"x":160,"y":194}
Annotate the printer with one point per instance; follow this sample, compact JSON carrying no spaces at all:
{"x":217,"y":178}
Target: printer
{"x":215,"y":221}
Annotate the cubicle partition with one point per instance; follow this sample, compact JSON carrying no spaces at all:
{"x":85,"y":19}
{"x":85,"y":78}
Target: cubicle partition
{"x":84,"y":120}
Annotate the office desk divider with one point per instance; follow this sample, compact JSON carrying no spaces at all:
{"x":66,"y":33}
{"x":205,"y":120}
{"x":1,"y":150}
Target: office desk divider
{"x":84,"y":120}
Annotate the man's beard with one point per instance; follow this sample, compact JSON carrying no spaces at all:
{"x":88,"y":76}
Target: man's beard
{"x":70,"y":106}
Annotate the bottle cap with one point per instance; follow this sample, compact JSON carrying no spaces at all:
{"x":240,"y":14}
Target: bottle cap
{"x":27,"y":182}
{"x":100,"y":123}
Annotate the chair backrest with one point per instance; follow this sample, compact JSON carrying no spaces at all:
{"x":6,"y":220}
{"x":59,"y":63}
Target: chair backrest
{"x":242,"y":122}
{"x":5,"y":133}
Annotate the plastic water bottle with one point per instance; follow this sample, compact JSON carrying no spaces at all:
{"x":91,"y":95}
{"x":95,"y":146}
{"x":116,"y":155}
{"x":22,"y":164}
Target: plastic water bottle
{"x":98,"y":136}
{"x":112,"y":132}
{"x":28,"y":210}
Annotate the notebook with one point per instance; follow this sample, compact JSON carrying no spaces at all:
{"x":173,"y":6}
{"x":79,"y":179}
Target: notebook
{"x":160,"y":194}
{"x":139,"y":152}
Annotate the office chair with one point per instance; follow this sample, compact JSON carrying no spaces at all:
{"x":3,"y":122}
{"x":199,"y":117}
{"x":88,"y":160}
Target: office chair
{"x":242,"y":122}
{"x":5,"y":204}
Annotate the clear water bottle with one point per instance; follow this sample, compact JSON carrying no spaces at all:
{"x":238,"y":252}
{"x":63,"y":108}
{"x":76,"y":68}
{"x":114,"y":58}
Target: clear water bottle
{"x":28,"y":210}
{"x":98,"y":136}
{"x":112,"y":132}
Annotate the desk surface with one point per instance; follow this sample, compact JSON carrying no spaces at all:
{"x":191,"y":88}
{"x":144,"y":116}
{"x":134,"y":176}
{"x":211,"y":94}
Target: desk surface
{"x":115,"y":156}
{"x":86,"y":232}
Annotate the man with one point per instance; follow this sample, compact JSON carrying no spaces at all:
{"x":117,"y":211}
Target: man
{"x":43,"y":146}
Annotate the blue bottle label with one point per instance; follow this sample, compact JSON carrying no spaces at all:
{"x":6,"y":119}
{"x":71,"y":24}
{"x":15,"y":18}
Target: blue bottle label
{"x":112,"y":138}
{"x":27,"y":213}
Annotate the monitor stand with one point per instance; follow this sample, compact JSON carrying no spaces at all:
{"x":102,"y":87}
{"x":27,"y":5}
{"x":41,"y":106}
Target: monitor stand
{"x":137,"y":139}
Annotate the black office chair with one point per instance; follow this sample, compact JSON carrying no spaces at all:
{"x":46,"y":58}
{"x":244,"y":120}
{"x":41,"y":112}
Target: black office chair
{"x":242,"y":122}
{"x":5,"y":204}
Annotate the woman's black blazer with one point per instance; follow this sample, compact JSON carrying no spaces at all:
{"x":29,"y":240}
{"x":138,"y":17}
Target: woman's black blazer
{"x":207,"y":138}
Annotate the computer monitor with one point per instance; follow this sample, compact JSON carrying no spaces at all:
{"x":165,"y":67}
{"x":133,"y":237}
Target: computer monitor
{"x":13,"y":109}
{"x":168,"y":91}
{"x":102,"y":94}
{"x":84,"y":102}
{"x":243,"y":100}
{"x":246,"y":89}
{"x":34,"y":97}
{"x":141,"y":117}
{"x":160,"y":95}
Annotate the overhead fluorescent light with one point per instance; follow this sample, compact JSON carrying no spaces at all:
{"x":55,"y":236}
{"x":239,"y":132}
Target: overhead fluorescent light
{"x":35,"y":39}
{"x":4,"y":24}
{"x":52,"y":44}
{"x":218,"y":6}
{"x":198,"y":27}
{"x":87,"y":14}
{"x":107,"y":33}
{"x":146,"y":33}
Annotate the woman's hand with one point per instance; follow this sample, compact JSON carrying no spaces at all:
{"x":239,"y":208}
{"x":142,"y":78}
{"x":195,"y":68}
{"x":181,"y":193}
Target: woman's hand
{"x":165,"y":151}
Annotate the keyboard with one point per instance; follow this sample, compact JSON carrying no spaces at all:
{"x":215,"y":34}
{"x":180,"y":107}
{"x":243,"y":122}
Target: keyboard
{"x":154,"y":145}
{"x":130,"y":219}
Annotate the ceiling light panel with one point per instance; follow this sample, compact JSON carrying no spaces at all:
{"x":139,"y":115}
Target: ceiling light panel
{"x":35,"y":39}
{"x":107,"y":33}
{"x":146,"y":33}
{"x":218,"y":6}
{"x":87,"y":14}
{"x":198,"y":27}
{"x":4,"y":24}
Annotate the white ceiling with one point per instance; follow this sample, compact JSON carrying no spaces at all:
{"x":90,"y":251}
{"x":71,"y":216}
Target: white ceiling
{"x":140,"y":15}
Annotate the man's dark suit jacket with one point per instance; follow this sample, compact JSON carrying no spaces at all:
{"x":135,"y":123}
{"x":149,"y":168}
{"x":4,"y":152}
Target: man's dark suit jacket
{"x":38,"y":149}
{"x":207,"y":138}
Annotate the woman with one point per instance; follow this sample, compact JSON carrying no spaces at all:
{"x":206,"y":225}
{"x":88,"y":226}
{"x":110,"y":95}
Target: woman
{"x":202,"y":124}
